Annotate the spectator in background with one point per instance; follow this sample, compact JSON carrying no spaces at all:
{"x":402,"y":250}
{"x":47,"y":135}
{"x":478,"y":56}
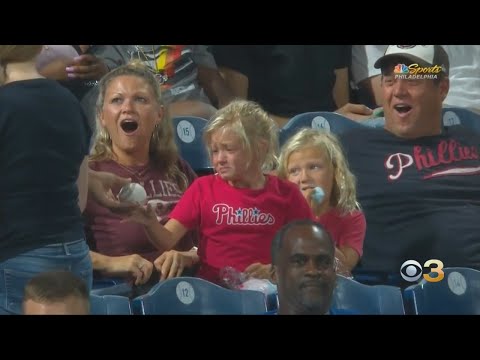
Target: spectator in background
{"x":290,"y":79}
{"x":188,"y":75}
{"x":56,"y":293}
{"x":313,"y":158}
{"x":73,"y":66}
{"x":303,"y":267}
{"x":464,"y":75}
{"x":418,"y":182}
{"x":43,"y":183}
{"x":76,"y":68}
{"x":238,"y":209}
{"x":135,"y":140}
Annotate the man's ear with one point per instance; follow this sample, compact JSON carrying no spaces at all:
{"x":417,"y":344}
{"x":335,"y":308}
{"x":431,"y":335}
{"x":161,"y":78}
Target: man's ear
{"x":273,"y":274}
{"x":444,"y":88}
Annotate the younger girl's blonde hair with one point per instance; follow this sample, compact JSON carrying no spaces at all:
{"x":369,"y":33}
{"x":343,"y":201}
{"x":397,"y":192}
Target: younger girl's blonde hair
{"x":163,"y":149}
{"x":344,"y":193}
{"x":252,"y":124}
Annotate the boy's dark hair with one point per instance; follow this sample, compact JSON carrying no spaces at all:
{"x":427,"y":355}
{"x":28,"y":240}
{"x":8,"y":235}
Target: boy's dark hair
{"x":55,"y":286}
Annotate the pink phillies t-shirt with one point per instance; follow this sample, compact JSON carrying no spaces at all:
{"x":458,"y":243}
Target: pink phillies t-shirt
{"x":237,"y":225}
{"x":345,"y":229}
{"x":107,"y":235}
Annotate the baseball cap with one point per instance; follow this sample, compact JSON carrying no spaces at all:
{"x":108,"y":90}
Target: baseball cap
{"x":424,"y":55}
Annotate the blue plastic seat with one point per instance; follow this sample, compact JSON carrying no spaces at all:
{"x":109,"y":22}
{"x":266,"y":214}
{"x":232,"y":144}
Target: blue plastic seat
{"x":122,"y":289}
{"x":370,"y":277}
{"x":195,"y":296}
{"x":367,"y":299}
{"x":461,"y":116}
{"x":101,"y":283}
{"x":450,"y":116}
{"x":457,"y":294}
{"x":188,"y":136}
{"x":109,"y":305}
{"x":328,"y":121}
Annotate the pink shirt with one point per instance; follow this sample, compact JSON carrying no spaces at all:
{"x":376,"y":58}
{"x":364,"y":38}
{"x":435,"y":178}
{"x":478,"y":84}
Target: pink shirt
{"x":109,"y":236}
{"x":346,"y":230}
{"x":237,"y":225}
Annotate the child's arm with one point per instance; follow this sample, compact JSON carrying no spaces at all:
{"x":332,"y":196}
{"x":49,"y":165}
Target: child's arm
{"x":163,"y":237}
{"x":348,"y":256}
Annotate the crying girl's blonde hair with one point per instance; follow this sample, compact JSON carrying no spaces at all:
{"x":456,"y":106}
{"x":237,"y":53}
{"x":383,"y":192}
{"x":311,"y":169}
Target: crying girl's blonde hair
{"x":344,"y":192}
{"x":252,"y":124}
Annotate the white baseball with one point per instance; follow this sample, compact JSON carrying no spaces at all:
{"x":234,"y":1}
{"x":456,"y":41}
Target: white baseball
{"x":133,"y":193}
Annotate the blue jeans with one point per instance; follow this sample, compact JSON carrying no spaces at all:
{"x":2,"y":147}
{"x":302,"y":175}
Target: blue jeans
{"x":16,"y":272}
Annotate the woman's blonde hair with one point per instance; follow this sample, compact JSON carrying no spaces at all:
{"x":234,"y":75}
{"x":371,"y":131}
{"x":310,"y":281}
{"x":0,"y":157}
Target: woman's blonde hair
{"x":344,"y":193}
{"x":16,"y":53}
{"x":252,"y":124}
{"x":163,"y":150}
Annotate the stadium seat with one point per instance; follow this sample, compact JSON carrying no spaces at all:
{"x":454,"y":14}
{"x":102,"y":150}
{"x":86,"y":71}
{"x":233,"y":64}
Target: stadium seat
{"x":109,"y":305}
{"x":366,"y":299}
{"x":456,"y":115}
{"x":457,"y":294}
{"x":195,"y":296}
{"x":101,"y":283}
{"x":188,"y":136}
{"x":450,"y":116}
{"x":328,"y":121}
{"x":370,"y":277}
{"x":122,"y":289}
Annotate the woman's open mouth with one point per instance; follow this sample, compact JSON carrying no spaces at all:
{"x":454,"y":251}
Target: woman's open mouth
{"x":129,"y":126}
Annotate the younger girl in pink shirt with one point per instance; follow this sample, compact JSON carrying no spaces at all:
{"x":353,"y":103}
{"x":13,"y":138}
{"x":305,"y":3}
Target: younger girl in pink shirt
{"x":314,"y":158}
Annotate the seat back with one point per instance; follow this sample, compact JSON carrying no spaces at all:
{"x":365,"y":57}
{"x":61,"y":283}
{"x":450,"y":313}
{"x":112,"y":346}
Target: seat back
{"x":195,"y":296}
{"x":461,"y":116}
{"x":189,"y":138}
{"x":367,"y":299}
{"x":109,"y":305}
{"x":122,"y":289}
{"x":457,"y":294}
{"x":100,"y":283}
{"x":450,"y":116}
{"x":328,"y":121}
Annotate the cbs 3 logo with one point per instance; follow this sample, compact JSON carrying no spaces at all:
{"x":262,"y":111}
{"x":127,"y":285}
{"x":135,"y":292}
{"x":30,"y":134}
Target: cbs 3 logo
{"x":411,"y":270}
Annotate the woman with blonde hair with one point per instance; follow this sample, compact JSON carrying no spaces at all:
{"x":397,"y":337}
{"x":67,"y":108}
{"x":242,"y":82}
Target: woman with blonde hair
{"x":314,"y":160}
{"x":44,"y":143}
{"x":239,"y":209}
{"x":135,"y":140}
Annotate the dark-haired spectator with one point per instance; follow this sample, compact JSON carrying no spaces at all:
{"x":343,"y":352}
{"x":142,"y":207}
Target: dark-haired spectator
{"x":303,"y":267}
{"x":56,"y":293}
